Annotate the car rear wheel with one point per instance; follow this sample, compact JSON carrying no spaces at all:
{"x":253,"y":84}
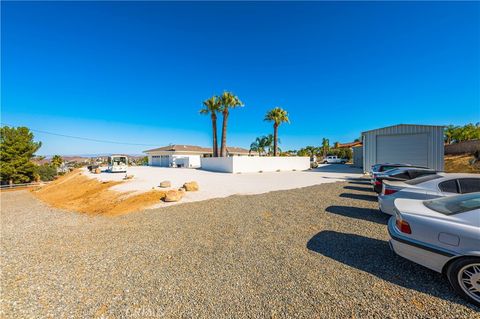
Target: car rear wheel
{"x":464,"y":276}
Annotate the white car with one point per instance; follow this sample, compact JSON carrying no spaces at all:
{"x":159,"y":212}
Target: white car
{"x":427,"y":187}
{"x":442,"y":234}
{"x":117,"y":164}
{"x":334,"y":160}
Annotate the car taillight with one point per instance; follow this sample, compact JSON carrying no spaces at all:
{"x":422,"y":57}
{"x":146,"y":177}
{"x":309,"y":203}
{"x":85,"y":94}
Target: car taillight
{"x":388,"y":191}
{"x":378,"y":183}
{"x":403,"y":226}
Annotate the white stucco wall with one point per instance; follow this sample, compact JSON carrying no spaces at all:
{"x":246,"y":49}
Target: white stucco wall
{"x":217,"y":164}
{"x":244,"y":164}
{"x":193,"y":160}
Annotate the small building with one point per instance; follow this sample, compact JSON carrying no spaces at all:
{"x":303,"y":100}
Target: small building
{"x":185,"y":155}
{"x":421,"y":145}
{"x":357,"y":154}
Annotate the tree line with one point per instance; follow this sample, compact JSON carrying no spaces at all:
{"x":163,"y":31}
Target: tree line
{"x":325,"y":150}
{"x":456,"y":134}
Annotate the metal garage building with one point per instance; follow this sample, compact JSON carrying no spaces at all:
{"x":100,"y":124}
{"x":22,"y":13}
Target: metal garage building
{"x":411,"y":144}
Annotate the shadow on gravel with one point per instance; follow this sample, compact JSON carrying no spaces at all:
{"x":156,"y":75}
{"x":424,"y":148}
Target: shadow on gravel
{"x":370,"y":198}
{"x":366,"y":183}
{"x":371,"y":215}
{"x":375,"y":257}
{"x":357,"y":188}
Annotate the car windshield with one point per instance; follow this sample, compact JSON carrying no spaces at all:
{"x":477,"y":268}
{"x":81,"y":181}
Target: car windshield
{"x":119,"y":160}
{"x":422,"y":179}
{"x":454,"y":204}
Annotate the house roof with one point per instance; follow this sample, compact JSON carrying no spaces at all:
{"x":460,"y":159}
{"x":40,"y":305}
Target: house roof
{"x":349,"y":145}
{"x":195,"y":149}
{"x":237,"y":150}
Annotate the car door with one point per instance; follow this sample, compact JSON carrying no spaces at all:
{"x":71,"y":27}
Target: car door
{"x":469,"y":185}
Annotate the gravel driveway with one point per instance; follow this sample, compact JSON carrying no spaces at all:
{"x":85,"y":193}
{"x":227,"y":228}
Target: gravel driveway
{"x":319,"y":251}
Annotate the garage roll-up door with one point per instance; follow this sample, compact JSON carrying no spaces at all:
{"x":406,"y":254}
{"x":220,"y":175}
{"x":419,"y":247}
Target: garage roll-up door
{"x":403,"y":148}
{"x":155,"y":161}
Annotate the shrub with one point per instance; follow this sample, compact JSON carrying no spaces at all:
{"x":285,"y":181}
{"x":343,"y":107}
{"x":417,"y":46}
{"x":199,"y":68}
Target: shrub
{"x":46,"y":172}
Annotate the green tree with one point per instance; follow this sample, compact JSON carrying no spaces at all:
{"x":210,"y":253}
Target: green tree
{"x":46,"y":172}
{"x":263,"y":145}
{"x":17,"y":148}
{"x":309,"y":151}
{"x":227,"y":101}
{"x":277,"y":116}
{"x":255,"y":147}
{"x":56,"y":161}
{"x":325,"y":146}
{"x":210,"y":107}
{"x":455,"y":134}
{"x":450,"y":132}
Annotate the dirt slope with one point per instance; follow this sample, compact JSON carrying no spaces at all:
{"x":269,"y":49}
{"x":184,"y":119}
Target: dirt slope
{"x":460,"y":164}
{"x":79,"y":193}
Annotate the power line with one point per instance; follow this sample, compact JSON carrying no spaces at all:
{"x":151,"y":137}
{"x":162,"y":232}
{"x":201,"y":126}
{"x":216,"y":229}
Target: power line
{"x":84,"y":138}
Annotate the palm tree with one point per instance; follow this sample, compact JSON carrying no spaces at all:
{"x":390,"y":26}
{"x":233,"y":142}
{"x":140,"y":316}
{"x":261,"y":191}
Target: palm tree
{"x":325,"y":146}
{"x":277,"y":116}
{"x":212,"y":106}
{"x":260,"y":144}
{"x":56,"y":161}
{"x":227,"y":101}
{"x":268,"y":144}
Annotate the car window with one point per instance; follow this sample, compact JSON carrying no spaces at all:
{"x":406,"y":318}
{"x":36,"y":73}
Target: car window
{"x":415,"y":174}
{"x":403,"y":175}
{"x":422,"y":179}
{"x":469,"y":185}
{"x":449,"y":186}
{"x":454,"y":204}
{"x":384,"y":168}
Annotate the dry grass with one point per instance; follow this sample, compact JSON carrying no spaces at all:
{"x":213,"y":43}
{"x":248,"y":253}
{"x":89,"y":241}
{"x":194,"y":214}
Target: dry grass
{"x":79,"y":193}
{"x":460,"y":164}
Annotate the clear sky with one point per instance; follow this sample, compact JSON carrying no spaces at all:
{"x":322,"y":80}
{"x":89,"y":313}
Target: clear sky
{"x":138,"y":72}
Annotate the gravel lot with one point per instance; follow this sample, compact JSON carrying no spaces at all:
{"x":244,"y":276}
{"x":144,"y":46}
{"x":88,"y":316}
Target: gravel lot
{"x":319,"y":251}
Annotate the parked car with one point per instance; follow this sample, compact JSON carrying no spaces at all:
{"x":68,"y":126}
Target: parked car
{"x":399,"y":174}
{"x":441,"y":234}
{"x":334,"y":160}
{"x":381,"y":168}
{"x":427,"y":187}
{"x":378,"y":168}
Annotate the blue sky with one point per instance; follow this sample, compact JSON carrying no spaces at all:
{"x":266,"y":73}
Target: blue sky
{"x":138,"y":72}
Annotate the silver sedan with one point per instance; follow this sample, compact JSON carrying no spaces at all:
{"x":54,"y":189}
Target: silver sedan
{"x":427,"y":187}
{"x":444,"y":235}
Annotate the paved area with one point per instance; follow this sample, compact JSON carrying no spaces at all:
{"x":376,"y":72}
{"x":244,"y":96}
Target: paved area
{"x":315,"y":252}
{"x":217,"y":185}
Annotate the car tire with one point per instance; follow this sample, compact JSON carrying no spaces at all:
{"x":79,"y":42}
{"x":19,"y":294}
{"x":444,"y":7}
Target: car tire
{"x":458,"y":276}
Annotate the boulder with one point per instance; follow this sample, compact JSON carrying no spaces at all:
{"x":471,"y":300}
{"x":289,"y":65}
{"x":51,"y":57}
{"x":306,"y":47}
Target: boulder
{"x":97,"y":171}
{"x":191,"y":186}
{"x":165,"y":184}
{"x":181,"y":189}
{"x":173,"y":196}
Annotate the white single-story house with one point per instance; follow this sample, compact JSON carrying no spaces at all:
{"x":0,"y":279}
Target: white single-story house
{"x":185,"y":155}
{"x":421,"y":145}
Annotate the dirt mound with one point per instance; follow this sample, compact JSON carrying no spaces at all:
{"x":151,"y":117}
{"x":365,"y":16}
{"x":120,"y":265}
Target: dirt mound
{"x":79,"y":193}
{"x":461,"y":164}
